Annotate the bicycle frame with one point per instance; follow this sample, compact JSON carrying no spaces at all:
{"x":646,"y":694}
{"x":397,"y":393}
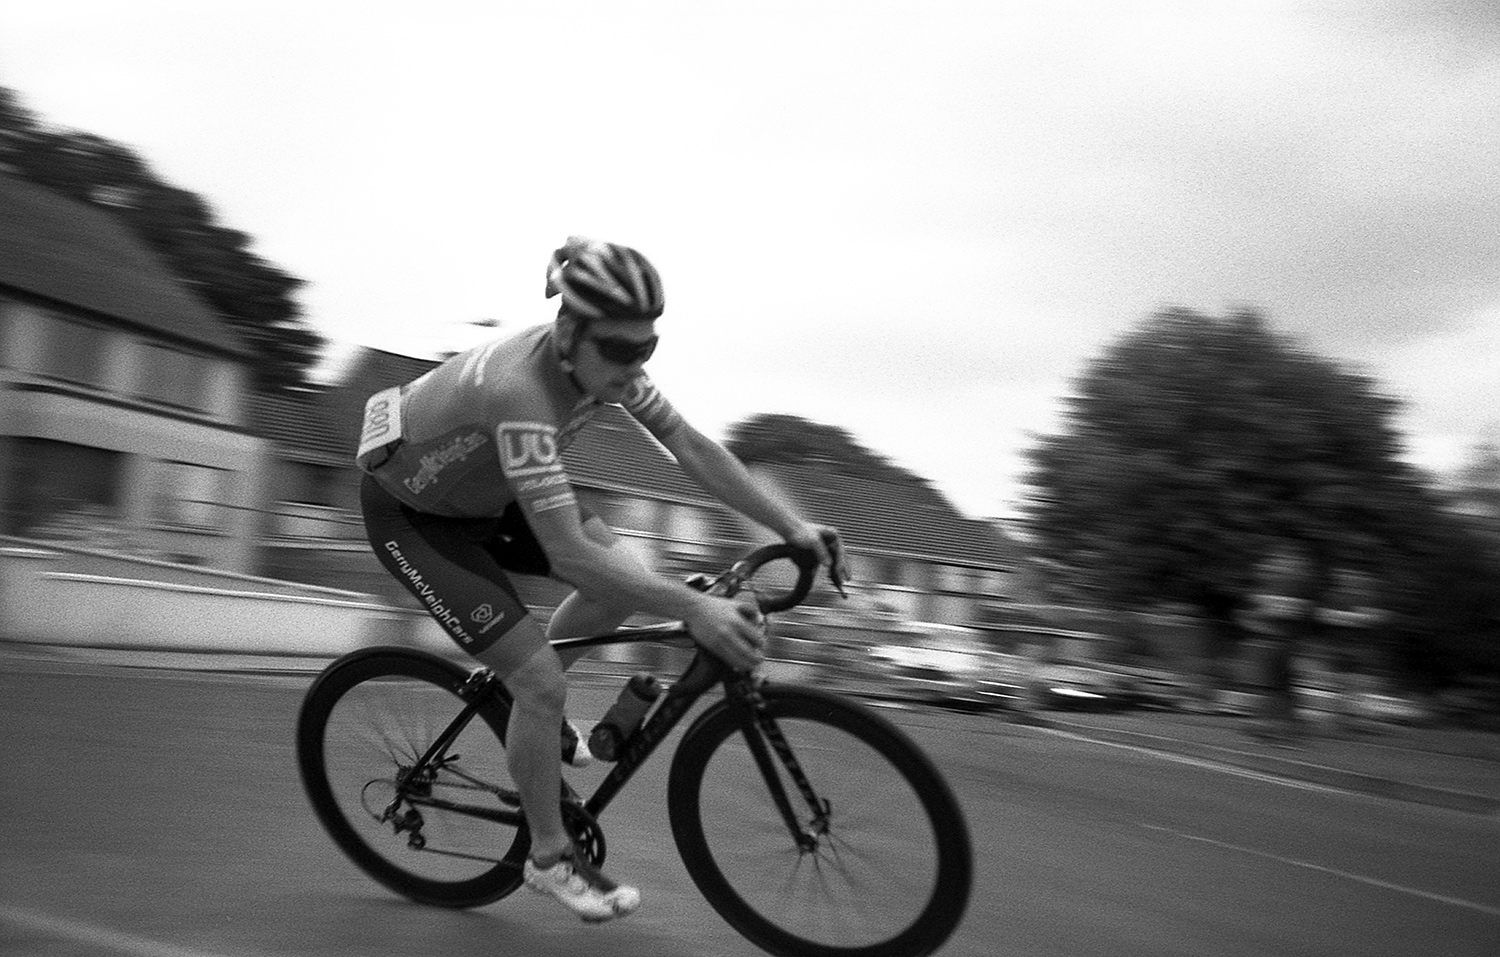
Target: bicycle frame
{"x":700,"y":676}
{"x":703,"y":672}
{"x":762,"y":735}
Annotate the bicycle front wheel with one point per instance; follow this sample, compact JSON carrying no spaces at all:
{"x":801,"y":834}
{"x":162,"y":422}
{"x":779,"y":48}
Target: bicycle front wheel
{"x":439,"y":834}
{"x":881,"y":865}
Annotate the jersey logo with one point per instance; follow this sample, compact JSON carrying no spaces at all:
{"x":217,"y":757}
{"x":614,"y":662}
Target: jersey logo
{"x":527,"y":448}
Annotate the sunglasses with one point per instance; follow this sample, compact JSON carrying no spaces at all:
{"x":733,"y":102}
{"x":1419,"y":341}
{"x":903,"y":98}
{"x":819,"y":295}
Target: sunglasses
{"x":624,"y":352}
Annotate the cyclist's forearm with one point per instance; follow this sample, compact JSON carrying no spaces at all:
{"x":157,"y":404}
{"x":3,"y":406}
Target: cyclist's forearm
{"x":616,"y":573}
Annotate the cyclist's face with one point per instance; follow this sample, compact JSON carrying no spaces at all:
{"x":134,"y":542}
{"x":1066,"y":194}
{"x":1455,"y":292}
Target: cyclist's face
{"x":609,"y":356}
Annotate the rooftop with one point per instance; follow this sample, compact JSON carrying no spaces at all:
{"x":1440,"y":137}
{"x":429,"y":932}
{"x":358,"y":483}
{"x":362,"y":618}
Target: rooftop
{"x":71,"y":253}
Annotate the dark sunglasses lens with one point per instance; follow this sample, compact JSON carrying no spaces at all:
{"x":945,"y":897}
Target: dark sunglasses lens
{"x":624,"y":352}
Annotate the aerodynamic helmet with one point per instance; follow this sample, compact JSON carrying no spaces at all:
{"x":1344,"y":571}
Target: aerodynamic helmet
{"x":599,"y":280}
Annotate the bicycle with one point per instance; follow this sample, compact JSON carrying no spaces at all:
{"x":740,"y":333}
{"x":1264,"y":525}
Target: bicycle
{"x":771,"y":791}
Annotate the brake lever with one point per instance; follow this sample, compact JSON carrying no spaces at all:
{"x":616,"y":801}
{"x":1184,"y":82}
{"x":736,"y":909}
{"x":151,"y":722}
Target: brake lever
{"x":831,"y":541}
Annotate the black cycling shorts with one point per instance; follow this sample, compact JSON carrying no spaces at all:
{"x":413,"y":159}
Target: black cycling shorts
{"x":456,"y":567}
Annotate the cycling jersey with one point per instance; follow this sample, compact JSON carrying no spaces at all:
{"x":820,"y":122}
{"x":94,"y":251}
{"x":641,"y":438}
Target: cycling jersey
{"x":487,"y":428}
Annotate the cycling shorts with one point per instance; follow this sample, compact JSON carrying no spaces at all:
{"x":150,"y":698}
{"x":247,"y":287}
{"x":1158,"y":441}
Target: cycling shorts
{"x":456,"y":567}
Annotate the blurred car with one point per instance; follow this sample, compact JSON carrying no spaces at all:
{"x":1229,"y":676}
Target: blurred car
{"x":1155,"y":689}
{"x":1078,"y":687}
{"x":963,"y":681}
{"x":1392,"y":708}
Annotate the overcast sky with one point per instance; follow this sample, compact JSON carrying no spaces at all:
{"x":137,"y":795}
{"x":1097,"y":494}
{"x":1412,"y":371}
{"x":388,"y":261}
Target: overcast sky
{"x":917,"y":221}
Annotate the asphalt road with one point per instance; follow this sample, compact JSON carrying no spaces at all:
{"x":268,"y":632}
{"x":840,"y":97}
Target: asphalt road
{"x":159,"y":813}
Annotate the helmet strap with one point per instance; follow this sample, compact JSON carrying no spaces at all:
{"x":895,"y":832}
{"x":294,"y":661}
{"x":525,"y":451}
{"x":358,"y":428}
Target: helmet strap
{"x":566,"y":348}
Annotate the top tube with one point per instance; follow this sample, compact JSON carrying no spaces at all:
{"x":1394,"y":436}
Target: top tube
{"x":625,"y":635}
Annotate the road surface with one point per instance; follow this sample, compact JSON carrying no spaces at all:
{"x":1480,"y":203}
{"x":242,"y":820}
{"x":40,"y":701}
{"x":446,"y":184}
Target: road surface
{"x":159,"y":813}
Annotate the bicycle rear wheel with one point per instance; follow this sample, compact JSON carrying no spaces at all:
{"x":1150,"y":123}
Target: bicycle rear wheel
{"x":887,"y":869}
{"x":363,"y":726}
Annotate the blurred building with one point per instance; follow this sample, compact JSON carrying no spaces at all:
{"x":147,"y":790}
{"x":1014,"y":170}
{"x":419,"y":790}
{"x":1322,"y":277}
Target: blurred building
{"x":122,"y":395}
{"x":128,"y":424}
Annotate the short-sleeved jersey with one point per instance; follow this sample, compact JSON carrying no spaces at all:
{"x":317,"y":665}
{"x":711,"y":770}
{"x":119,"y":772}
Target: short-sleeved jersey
{"x":488,"y":427}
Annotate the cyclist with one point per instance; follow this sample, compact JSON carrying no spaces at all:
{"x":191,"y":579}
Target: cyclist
{"x":465,"y":483}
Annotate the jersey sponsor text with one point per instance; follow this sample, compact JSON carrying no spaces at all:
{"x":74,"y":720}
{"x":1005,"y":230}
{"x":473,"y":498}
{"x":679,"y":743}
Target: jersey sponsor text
{"x":459,"y":448}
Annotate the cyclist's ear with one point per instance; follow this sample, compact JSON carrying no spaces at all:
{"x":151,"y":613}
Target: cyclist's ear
{"x":566,"y":330}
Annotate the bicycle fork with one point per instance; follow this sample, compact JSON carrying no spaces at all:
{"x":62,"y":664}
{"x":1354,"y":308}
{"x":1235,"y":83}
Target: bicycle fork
{"x":763,"y":736}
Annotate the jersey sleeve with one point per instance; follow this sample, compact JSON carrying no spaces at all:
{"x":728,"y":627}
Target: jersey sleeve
{"x":531,"y":459}
{"x":650,"y":408}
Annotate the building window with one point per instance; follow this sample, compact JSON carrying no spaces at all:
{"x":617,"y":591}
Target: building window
{"x":689,"y":523}
{"x":190,"y":496}
{"x":174,"y":378}
{"x":309,"y":484}
{"x":323,"y":485}
{"x":964,"y":580}
{"x":917,"y":575}
{"x":867,"y":568}
{"x":635,"y":514}
{"x":59,"y":484}
{"x":75,"y":352}
{"x":7,"y":344}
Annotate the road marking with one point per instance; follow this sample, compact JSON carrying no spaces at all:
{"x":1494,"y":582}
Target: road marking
{"x":1210,"y":765}
{"x":77,"y":930}
{"x":1336,"y":872}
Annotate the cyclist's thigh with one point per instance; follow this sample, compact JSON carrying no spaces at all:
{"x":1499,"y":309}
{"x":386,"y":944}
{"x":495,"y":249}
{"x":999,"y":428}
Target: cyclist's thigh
{"x":456,"y":577}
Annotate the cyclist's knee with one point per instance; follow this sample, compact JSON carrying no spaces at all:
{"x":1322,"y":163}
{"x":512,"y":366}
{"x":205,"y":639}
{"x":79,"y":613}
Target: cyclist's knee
{"x":539,"y":682}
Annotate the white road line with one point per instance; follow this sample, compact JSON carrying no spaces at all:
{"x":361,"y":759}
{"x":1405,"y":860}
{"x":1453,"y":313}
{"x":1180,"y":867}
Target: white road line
{"x":115,"y":940}
{"x":1336,"y":872}
{"x":1209,"y":765}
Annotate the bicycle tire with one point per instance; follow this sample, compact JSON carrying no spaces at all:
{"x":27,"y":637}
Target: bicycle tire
{"x":726,"y":826}
{"x":397,"y":700}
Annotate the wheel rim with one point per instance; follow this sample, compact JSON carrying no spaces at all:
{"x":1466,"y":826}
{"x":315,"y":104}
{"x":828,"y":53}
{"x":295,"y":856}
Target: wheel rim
{"x":373,"y":733}
{"x":873,"y":877}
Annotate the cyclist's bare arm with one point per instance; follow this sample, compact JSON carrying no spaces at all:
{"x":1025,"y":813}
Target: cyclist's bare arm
{"x":614,"y":571}
{"x":716,"y":469}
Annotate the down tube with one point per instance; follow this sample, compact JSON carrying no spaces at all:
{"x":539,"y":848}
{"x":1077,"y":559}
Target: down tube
{"x":701,"y":675}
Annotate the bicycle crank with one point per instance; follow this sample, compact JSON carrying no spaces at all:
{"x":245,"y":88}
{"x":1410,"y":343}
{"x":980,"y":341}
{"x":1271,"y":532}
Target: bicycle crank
{"x":588,"y":836}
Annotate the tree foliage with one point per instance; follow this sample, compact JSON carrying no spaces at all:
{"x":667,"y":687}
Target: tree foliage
{"x":1196,"y":445}
{"x":212,"y":260}
{"x":779,"y":438}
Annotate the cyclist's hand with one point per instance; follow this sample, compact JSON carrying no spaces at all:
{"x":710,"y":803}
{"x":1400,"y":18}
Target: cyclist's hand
{"x":730,"y":630}
{"x":825,"y":541}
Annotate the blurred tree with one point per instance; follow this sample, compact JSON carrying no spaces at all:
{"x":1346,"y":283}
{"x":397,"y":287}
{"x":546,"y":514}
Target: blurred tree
{"x":1444,"y":595}
{"x":1196,"y":444}
{"x":1476,"y":489}
{"x":778,"y":438}
{"x":213,"y":261}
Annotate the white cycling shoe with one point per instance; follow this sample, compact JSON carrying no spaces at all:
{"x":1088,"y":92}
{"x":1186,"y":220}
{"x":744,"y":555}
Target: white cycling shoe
{"x":575,"y":752}
{"x":582,"y":889}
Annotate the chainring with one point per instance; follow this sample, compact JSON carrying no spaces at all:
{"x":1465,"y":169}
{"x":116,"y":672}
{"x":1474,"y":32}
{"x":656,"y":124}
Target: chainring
{"x":588,"y":836}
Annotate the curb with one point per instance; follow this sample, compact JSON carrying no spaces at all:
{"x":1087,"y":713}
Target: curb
{"x":1294,"y":770}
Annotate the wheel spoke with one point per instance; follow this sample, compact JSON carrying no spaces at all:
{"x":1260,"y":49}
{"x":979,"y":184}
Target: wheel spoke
{"x":890,"y":870}
{"x":366,"y":725}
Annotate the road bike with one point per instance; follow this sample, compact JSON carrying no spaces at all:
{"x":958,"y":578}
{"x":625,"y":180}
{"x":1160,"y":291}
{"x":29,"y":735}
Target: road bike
{"x":812,"y":824}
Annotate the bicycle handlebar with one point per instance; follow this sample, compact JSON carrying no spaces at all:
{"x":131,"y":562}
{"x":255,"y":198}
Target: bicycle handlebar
{"x":805,"y":559}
